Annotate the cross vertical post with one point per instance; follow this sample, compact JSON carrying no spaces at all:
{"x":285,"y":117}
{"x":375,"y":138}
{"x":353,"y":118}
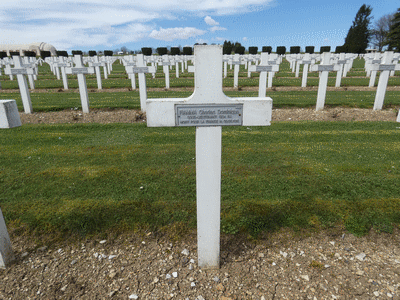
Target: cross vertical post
{"x":264,"y":70}
{"x":141,"y":69}
{"x":80,"y":70}
{"x":20,"y":71}
{"x":385,"y":69}
{"x":324,"y":68}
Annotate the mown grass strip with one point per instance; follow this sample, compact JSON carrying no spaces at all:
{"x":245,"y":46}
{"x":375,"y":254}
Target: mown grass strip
{"x":130,"y":100}
{"x":87,"y":178}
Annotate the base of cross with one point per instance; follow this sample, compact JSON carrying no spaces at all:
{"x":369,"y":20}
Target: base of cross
{"x":208,"y":109}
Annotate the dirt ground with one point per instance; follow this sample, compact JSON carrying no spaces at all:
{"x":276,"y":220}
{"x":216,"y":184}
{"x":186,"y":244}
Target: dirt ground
{"x":284,"y":114}
{"x":325,"y":265}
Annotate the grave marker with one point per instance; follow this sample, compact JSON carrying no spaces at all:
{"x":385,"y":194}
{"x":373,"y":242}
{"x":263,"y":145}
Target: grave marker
{"x":306,"y":62}
{"x":97,"y":64}
{"x":141,"y":69}
{"x":130,"y":62}
{"x":62,"y":64}
{"x":166,"y":63}
{"x":264,"y":70}
{"x":20,"y":71}
{"x":208,"y":109}
{"x":6,"y":253}
{"x":236,"y":62}
{"x":325,"y":67}
{"x":9,"y":116}
{"x":80,"y":70}
{"x":386,"y":67}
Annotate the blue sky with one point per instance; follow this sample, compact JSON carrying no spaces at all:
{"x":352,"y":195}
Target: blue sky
{"x":109,"y":25}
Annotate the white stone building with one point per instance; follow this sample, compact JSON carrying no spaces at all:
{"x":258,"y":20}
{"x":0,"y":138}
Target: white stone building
{"x":36,"y":47}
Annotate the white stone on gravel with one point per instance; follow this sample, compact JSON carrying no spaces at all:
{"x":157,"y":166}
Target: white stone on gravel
{"x":305,"y":277}
{"x":175,"y":274}
{"x":360,"y":273}
{"x":200,"y":298}
{"x":103,"y":241}
{"x":332,"y":243}
{"x":133,"y":296}
{"x":284,"y":254}
{"x":376,"y":294}
{"x":168,"y":276}
{"x":216,"y":279}
{"x":112,"y":256}
{"x":192,"y":261}
{"x":192,"y":284}
{"x":185,"y":252}
{"x":361,"y":256}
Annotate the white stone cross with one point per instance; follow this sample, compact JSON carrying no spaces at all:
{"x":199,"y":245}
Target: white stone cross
{"x":166,"y":63}
{"x":264,"y":69}
{"x":97,"y":64}
{"x":129,"y":61}
{"x":341,"y":62}
{"x":306,"y":61}
{"x":371,"y":71}
{"x":236,"y":62}
{"x":62,"y":64}
{"x":325,"y":67}
{"x":141,"y":69}
{"x":385,"y":67}
{"x":31,"y":77}
{"x":208,"y":109}
{"x":80,"y":70}
{"x":20,"y":71}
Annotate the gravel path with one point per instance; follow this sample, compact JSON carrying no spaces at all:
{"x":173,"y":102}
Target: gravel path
{"x":325,"y":265}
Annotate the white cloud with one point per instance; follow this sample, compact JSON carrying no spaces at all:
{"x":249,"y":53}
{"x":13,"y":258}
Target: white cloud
{"x":215,"y":28}
{"x":76,"y":23}
{"x":210,"y":21}
{"x":245,"y":39}
{"x":178,"y":33}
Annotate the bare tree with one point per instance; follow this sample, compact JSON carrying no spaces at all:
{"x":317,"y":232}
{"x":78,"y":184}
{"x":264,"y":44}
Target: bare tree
{"x":381,"y":30}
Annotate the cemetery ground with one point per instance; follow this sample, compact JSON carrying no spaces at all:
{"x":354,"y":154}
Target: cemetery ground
{"x":310,"y":208}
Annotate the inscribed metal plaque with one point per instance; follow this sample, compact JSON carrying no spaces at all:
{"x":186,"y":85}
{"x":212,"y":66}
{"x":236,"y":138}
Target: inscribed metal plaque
{"x":19,"y":71}
{"x":140,"y":70}
{"x":306,"y":62}
{"x":263,"y":68}
{"x":386,"y":67}
{"x":209,"y":115}
{"x":325,"y":68}
{"x":342,"y":62}
{"x":79,"y":70}
{"x":236,"y":63}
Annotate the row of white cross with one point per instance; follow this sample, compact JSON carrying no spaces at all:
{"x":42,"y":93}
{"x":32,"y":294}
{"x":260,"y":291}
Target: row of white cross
{"x":268,"y":65}
{"x":207,"y":109}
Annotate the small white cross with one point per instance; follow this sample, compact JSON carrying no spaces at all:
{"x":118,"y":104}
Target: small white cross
{"x":141,"y":68}
{"x":20,"y":71}
{"x":80,"y":70}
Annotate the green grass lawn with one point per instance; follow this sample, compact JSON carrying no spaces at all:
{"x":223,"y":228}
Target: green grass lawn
{"x":130,"y":100}
{"x":88,"y":178}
